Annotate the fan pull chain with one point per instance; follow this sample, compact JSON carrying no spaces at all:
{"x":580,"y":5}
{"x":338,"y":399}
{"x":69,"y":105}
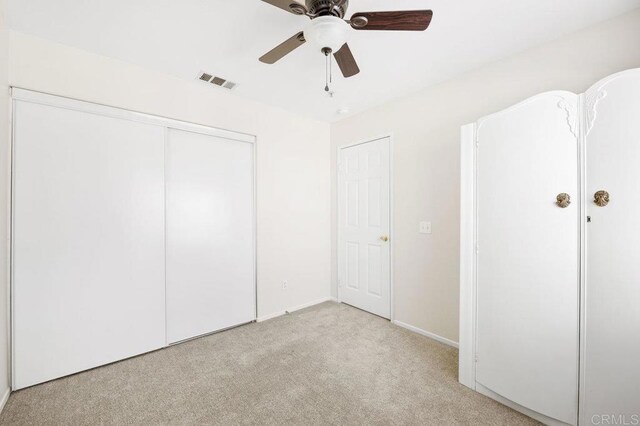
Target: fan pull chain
{"x":329,"y":70}
{"x":326,"y":74}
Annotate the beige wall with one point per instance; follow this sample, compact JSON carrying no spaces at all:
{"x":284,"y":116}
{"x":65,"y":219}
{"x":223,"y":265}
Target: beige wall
{"x":4,"y":210}
{"x":293,"y":155}
{"x":426,"y":129}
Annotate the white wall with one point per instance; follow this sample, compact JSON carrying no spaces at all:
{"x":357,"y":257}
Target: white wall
{"x":426,"y":129}
{"x":4,"y":210}
{"x":293,"y":156}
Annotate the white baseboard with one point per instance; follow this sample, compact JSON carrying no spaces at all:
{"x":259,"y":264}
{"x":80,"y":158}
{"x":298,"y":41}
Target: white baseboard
{"x":5,"y":398}
{"x":297,"y":308}
{"x":427,"y":334}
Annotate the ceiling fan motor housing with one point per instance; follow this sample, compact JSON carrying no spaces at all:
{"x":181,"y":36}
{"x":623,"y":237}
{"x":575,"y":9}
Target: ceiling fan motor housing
{"x":337,"y":8}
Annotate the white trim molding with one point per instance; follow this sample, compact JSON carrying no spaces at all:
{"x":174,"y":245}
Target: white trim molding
{"x":466,"y":356}
{"x":425,"y":333}
{"x":297,"y":308}
{"x":18,"y":94}
{"x":5,"y":398}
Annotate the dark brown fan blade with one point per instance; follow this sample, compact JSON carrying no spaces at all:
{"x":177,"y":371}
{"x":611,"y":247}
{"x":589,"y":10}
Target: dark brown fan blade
{"x":402,"y":20}
{"x":283,"y":49}
{"x":346,"y":61}
{"x":298,"y":9}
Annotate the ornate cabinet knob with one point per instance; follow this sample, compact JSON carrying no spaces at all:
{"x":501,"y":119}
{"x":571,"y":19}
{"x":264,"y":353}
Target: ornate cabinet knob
{"x":601,"y":198}
{"x":563,"y":200}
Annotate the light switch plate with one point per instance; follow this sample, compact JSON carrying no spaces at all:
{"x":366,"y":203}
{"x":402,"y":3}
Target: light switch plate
{"x":425,"y":228}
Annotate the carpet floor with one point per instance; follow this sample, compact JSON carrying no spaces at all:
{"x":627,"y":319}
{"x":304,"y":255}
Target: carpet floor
{"x":330,"y":364}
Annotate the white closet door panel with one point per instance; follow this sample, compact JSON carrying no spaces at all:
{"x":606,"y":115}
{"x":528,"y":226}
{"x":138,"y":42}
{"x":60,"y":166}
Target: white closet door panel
{"x":527,"y":284}
{"x":612,"y":333}
{"x":88,"y":277}
{"x":210,"y":249}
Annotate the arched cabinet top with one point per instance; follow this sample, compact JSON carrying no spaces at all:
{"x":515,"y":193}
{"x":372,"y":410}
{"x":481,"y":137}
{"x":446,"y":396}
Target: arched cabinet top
{"x":598,"y":92}
{"x":566,"y":101}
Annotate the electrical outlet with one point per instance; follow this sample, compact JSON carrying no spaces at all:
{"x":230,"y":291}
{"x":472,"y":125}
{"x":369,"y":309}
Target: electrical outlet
{"x":425,"y":228}
{"x":285,"y":285}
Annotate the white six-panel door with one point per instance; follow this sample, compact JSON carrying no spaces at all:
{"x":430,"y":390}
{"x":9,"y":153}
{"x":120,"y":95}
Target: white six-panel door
{"x":527,"y":255}
{"x":210,"y":252}
{"x":364,"y":227}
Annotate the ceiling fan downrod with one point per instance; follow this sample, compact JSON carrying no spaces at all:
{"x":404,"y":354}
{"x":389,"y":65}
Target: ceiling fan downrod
{"x":337,"y":8}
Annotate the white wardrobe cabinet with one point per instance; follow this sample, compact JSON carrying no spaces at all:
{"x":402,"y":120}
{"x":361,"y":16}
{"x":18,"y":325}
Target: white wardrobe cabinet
{"x":129,"y":232}
{"x":550,"y":254}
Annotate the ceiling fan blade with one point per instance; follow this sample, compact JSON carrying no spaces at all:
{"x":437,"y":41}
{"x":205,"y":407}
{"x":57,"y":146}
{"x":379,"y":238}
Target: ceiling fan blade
{"x":283,"y":49}
{"x":401,"y":20}
{"x":298,"y":9}
{"x":346,"y":61}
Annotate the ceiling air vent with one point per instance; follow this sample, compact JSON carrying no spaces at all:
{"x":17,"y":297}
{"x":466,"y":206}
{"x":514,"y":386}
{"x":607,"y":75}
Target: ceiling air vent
{"x":218,"y":81}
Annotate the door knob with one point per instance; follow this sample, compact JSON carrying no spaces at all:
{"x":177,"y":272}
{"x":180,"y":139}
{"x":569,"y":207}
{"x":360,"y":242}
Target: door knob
{"x":601,"y":198}
{"x":384,"y":238}
{"x":563,"y":200}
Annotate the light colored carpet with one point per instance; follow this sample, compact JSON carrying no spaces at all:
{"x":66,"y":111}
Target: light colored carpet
{"x":329,"y":364}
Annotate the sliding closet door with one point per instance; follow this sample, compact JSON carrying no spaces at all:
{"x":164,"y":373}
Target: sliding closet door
{"x":527,"y":261}
{"x":88,"y":241}
{"x":612,"y":334}
{"x":210,"y":232}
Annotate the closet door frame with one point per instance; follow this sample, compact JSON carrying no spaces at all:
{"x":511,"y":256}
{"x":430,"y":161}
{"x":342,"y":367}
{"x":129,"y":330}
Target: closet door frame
{"x":468,"y":259}
{"x":30,"y":96}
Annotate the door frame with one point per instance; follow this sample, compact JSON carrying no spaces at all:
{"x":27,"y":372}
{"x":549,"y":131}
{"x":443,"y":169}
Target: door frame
{"x":339,"y":151}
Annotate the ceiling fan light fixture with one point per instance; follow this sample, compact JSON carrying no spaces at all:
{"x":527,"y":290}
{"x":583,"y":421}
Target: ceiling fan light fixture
{"x":327,"y":32}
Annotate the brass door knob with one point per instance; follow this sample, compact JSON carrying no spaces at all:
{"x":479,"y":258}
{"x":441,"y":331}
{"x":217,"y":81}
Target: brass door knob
{"x":563,"y":200}
{"x":601,"y":198}
{"x":384,"y":238}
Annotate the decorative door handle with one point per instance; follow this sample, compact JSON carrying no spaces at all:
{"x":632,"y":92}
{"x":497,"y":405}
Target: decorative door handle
{"x":563,"y":200}
{"x":384,"y":238}
{"x":601,"y":198}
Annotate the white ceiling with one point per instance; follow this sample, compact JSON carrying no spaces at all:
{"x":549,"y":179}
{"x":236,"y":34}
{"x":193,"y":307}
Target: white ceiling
{"x":226,"y":37}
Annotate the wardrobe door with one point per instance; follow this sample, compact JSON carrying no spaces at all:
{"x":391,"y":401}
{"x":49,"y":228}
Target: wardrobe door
{"x":611,"y":364}
{"x":527,"y":261}
{"x":88,"y":241}
{"x":210,"y":231}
